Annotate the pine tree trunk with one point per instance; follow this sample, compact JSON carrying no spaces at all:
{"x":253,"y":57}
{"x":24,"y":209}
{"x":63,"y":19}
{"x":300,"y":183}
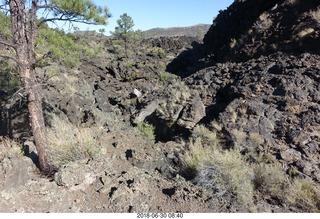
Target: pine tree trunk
{"x":36,"y":116}
{"x":125,"y":47}
{"x":24,"y":33}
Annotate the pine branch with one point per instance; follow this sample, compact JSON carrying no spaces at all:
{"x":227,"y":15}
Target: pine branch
{"x":67,"y":19}
{"x":9,"y":57}
{"x":5,"y":43}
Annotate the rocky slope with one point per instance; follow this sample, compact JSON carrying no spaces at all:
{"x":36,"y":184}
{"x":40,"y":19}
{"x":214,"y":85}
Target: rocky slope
{"x":238,"y":131}
{"x":257,"y":75}
{"x":249,"y":29}
{"x":266,"y":62}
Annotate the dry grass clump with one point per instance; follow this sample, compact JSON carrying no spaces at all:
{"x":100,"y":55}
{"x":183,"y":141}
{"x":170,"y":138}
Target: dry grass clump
{"x":69,"y":143}
{"x":176,"y":95}
{"x":255,"y":139}
{"x":264,"y":22}
{"x":242,"y":139}
{"x":304,"y":33}
{"x":300,"y":193}
{"x":304,"y":195}
{"x":208,"y":138}
{"x":245,"y":142}
{"x":222,"y":171}
{"x":216,"y":126}
{"x":271,"y":180}
{"x":239,"y":137}
{"x":198,"y":155}
{"x":9,"y":147}
{"x":227,"y":174}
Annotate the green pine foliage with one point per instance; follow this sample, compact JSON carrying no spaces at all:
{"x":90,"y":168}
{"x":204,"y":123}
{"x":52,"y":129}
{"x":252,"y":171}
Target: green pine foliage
{"x":4,"y":26}
{"x":81,"y":11}
{"x":124,"y":29}
{"x":62,"y":46}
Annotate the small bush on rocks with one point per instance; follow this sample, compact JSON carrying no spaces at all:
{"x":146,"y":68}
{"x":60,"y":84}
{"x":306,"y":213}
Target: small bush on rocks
{"x":147,"y":130}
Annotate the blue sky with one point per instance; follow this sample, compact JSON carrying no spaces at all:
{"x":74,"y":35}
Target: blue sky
{"x":148,"y":14}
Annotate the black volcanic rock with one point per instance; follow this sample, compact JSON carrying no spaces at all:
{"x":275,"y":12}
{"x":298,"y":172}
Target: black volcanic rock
{"x":259,"y":27}
{"x":251,"y":28}
{"x":280,"y":106}
{"x":257,"y":73}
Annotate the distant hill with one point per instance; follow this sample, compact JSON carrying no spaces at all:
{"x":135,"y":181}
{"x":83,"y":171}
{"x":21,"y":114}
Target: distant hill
{"x":198,"y":30}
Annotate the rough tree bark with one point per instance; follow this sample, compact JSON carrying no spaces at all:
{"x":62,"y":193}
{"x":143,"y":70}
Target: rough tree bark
{"x":24,"y":33}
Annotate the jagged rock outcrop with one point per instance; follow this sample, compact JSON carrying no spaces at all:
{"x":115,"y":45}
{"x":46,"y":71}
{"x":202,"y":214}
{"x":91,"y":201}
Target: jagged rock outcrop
{"x":249,"y":29}
{"x":263,"y":79}
{"x":276,"y":97}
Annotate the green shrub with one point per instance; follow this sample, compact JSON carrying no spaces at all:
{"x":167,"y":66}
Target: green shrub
{"x":5,"y":25}
{"x":157,"y":52}
{"x":165,"y":76}
{"x":147,"y":130}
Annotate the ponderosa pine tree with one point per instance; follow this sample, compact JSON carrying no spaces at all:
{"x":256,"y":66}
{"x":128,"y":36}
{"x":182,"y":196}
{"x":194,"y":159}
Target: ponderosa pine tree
{"x":26,"y":17}
{"x":124,"y":30}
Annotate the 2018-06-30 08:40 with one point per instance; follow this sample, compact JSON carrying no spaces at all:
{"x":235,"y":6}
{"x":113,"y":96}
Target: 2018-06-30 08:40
{"x":159,"y":215}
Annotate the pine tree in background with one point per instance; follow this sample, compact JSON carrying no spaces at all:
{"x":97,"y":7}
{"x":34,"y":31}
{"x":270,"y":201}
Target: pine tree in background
{"x":124,"y":30}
